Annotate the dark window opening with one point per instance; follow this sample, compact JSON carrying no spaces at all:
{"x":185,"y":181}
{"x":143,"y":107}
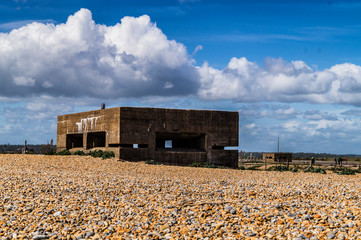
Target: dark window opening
{"x":121,"y":145}
{"x":95,"y":139}
{"x":114,"y":145}
{"x":181,"y":141}
{"x":74,"y":141}
{"x":124,"y":145}
{"x":218,"y":147}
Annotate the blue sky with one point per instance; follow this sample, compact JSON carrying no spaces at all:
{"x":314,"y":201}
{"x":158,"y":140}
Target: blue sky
{"x":291,"y":68}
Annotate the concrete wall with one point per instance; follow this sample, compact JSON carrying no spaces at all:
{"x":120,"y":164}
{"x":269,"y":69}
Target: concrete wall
{"x":197,"y":135}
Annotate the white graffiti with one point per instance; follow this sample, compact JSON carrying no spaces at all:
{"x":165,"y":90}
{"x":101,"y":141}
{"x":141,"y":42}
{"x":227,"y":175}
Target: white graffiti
{"x":85,"y":123}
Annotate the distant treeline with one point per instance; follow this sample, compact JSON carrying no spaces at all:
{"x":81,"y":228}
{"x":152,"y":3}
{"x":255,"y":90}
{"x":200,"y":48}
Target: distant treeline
{"x":302,"y":155}
{"x":38,"y":149}
{"x":41,"y":148}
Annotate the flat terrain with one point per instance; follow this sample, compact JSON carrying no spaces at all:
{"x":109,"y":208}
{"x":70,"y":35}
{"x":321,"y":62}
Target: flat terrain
{"x":69,"y":197}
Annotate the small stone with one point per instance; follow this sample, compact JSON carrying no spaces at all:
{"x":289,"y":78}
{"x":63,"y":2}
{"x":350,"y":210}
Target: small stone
{"x":219,"y":225}
{"x":89,"y":234}
{"x":341,"y":236}
{"x":57,"y":214}
{"x":350,"y":225}
{"x":302,"y":236}
{"x":331,"y":236}
{"x":227,"y":208}
{"x":41,"y":237}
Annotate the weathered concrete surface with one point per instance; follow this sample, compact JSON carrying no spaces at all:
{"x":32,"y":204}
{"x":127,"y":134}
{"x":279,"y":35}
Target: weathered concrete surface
{"x":196,"y":135}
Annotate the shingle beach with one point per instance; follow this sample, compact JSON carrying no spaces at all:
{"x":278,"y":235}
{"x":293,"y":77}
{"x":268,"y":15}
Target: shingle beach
{"x":73,"y":197}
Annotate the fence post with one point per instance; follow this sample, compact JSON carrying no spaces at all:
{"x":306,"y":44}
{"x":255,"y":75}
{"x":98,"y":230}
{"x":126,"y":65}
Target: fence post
{"x":288,"y":164}
{"x":265,"y":164}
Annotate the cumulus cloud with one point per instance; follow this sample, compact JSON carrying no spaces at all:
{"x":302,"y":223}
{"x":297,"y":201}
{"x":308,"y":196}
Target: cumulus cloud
{"x":281,"y":81}
{"x":197,"y":49}
{"x":352,"y":112}
{"x":81,"y":58}
{"x":318,"y":115}
{"x":253,"y":111}
{"x":134,"y":58}
{"x":340,"y":128}
{"x":297,"y":135}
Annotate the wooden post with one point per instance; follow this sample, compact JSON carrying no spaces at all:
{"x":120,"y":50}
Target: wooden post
{"x":288,"y":163}
{"x":265,"y":164}
{"x":241,"y":158}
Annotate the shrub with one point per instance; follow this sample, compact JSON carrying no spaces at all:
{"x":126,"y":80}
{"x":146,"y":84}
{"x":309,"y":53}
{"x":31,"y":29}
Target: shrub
{"x":196,"y":164}
{"x":320,"y":170}
{"x":97,"y":153}
{"x":64,"y":152}
{"x":241,"y":168}
{"x":280,"y":168}
{"x":294,"y":170}
{"x":152,"y":162}
{"x":254,"y":167}
{"x":79,"y":152}
{"x":207,"y":165}
{"x":49,"y":153}
{"x":107,"y":154}
{"x":346,"y":171}
{"x":316,"y":170}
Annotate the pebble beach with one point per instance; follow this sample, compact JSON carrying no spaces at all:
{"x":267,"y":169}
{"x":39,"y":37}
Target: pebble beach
{"x":80,"y":197}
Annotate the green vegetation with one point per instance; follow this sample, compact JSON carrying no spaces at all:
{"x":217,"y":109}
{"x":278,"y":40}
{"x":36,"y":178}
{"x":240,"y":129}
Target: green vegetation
{"x":152,"y":162}
{"x":255,"y":167}
{"x":316,"y":170}
{"x":79,"y":152}
{"x":241,"y":168}
{"x":96,"y":153}
{"x":49,"y":153}
{"x":207,"y":165}
{"x":64,"y":152}
{"x":107,"y":154}
{"x":204,"y":165}
{"x":197,"y":164}
{"x":280,"y":168}
{"x":345,"y":171}
{"x":99,"y":153}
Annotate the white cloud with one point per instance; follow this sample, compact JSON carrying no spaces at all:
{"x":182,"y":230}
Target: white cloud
{"x":168,"y":85}
{"x":81,"y":58}
{"x":46,"y":110}
{"x":196,"y":49}
{"x":24,"y":81}
{"x":134,"y":58}
{"x":281,"y":81}
{"x":318,"y":115}
{"x":17,"y":24}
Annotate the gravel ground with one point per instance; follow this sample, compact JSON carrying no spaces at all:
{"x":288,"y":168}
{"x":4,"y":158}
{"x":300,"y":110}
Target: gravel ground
{"x":72,"y":197}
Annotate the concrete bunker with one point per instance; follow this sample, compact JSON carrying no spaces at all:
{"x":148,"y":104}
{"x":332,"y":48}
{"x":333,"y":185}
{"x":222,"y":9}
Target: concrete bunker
{"x":277,"y":157}
{"x":170,"y":136}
